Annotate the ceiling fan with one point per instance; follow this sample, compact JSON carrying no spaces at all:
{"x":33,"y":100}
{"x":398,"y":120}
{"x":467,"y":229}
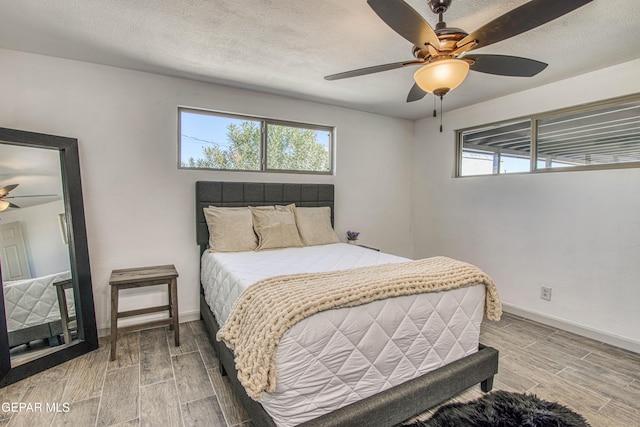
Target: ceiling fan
{"x":4,"y":194}
{"x":443,"y":54}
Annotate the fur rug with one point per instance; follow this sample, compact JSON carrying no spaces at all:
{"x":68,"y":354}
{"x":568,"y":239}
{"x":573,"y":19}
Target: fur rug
{"x":504,"y":409}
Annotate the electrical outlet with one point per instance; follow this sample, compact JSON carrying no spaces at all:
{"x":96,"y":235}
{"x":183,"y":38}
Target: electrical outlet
{"x":545,"y":293}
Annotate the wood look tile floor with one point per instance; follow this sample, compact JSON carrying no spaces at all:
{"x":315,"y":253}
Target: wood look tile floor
{"x":153,"y":383}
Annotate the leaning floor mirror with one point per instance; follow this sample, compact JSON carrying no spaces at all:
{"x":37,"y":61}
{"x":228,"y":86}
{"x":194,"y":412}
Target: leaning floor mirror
{"x":47,"y":314}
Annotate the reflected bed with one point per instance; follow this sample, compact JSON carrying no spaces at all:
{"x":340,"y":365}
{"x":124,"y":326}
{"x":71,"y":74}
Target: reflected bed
{"x":33,"y":310}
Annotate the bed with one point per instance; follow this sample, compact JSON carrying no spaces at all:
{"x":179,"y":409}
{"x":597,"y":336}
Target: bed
{"x":317,"y":395}
{"x":33,"y":308}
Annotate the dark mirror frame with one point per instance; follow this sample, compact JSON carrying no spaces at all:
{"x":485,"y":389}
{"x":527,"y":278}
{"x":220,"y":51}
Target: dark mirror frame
{"x":78,"y":257}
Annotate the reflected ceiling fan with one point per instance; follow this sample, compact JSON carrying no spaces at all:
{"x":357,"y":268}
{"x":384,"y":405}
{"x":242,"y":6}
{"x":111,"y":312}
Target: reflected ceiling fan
{"x":443,"y":54}
{"x":4,"y":194}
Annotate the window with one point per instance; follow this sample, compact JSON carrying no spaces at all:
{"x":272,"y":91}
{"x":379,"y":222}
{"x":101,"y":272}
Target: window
{"x":605,"y":135}
{"x":211,"y":140}
{"x":496,"y":150}
{"x":595,"y":136}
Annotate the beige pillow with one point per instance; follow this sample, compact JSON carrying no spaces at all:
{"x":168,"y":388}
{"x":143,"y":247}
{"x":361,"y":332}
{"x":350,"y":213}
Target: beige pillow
{"x":230,"y":229}
{"x":276,"y":228}
{"x":314,"y":225}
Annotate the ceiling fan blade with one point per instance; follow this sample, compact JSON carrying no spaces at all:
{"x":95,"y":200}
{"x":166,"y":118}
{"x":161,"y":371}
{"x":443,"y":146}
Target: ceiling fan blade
{"x":371,"y":70}
{"x":504,"y":65}
{"x":524,"y":18}
{"x":404,"y":20}
{"x":416,"y":94}
{"x":5,"y":190}
{"x":11,"y":205}
{"x":32,"y":195}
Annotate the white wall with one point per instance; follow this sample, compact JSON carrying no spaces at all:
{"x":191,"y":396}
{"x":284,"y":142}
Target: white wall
{"x":577,"y":232}
{"x":140,"y":208}
{"x":46,"y":251}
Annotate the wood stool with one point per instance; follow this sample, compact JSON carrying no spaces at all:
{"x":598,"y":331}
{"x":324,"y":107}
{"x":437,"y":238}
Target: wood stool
{"x":68,"y":322}
{"x":137,"y":278}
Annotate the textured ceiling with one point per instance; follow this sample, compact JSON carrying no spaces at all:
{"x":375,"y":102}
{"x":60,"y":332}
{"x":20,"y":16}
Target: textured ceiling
{"x":286,"y":47}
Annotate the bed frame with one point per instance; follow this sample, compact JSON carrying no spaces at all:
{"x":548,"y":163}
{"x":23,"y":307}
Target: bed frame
{"x":50,"y":331}
{"x":387,"y":408}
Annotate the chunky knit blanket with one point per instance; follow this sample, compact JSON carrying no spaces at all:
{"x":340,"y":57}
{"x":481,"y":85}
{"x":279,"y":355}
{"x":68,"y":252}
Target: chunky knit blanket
{"x":265,"y":310}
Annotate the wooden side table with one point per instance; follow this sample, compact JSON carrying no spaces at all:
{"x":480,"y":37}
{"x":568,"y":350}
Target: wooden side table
{"x":137,"y":278}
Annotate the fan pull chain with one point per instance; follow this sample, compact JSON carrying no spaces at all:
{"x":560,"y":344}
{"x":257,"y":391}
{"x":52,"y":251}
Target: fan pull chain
{"x":441,"y":114}
{"x":434,"y":106}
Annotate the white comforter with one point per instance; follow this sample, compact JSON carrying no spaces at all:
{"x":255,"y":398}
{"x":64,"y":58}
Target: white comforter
{"x":337,"y":357}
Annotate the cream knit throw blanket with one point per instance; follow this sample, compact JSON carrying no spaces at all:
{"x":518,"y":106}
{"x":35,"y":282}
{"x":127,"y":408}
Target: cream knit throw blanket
{"x":265,"y":310}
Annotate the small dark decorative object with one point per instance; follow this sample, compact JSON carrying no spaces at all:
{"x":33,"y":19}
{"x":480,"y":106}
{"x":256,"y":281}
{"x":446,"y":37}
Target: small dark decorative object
{"x":504,"y":409}
{"x":352,"y":235}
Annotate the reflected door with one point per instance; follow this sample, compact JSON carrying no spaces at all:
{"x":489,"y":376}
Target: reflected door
{"x":13,"y":255}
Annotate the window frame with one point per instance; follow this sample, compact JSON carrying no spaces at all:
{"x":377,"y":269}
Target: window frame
{"x":534,"y":119}
{"x":264,"y":123}
{"x":459,"y":151}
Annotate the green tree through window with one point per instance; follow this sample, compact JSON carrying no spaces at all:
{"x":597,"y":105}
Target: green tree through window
{"x":297,"y":149}
{"x":242,"y":151}
{"x":239,"y":144}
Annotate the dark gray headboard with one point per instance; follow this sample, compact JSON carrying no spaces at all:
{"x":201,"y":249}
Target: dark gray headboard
{"x":236,"y":194}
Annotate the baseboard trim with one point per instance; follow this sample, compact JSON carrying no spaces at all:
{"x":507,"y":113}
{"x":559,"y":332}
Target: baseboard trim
{"x":189,"y":316}
{"x":575,"y":328}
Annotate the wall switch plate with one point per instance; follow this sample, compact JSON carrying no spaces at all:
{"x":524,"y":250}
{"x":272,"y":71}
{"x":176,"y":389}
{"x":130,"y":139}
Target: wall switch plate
{"x":545,"y":293}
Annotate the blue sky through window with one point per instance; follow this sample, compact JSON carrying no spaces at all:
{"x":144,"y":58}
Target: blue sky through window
{"x":202,"y":130}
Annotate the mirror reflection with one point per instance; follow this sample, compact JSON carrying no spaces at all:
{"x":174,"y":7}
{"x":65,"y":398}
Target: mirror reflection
{"x":34,"y":254}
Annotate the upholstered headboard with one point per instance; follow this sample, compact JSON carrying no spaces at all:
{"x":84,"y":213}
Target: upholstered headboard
{"x":236,"y":194}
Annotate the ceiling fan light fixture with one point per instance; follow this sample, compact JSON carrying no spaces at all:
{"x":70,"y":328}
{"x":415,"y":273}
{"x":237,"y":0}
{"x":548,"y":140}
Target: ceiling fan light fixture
{"x":3,"y":205}
{"x":442,"y":75}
